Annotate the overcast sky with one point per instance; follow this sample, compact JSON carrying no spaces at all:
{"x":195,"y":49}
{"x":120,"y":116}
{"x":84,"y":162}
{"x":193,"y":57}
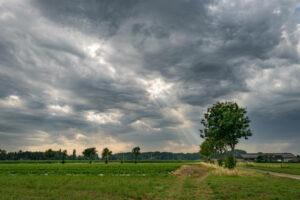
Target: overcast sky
{"x":115,"y":73}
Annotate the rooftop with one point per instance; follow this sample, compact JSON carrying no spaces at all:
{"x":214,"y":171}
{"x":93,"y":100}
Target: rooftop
{"x":255,"y":155}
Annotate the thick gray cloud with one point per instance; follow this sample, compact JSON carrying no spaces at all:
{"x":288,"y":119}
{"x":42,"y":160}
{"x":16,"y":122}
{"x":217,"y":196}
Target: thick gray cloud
{"x":123,"y":73}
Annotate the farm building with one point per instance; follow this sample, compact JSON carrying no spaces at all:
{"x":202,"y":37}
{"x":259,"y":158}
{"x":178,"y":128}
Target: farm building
{"x":270,"y":157}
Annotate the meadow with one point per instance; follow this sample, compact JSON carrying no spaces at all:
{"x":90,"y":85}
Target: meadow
{"x":147,"y":181}
{"x":288,"y":168}
{"x":94,"y":169}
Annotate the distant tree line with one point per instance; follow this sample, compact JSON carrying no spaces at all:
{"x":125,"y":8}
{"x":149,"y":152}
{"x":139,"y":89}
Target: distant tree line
{"x":35,"y":155}
{"x":91,"y":154}
{"x":156,"y":156}
{"x":217,"y":155}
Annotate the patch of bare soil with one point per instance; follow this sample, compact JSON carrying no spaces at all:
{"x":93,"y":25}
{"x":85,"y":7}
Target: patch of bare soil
{"x":190,"y":170}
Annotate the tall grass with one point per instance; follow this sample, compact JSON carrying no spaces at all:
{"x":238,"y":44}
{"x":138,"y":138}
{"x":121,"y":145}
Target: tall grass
{"x":221,"y":171}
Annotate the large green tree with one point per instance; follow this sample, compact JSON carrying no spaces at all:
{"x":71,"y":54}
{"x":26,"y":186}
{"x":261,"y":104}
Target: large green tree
{"x":225,"y":123}
{"x":105,"y":154}
{"x":136,"y":151}
{"x":90,"y":153}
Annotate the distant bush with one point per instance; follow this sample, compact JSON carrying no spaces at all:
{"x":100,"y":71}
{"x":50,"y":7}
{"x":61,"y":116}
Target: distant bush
{"x":230,"y":162}
{"x":220,"y":162}
{"x":211,"y":161}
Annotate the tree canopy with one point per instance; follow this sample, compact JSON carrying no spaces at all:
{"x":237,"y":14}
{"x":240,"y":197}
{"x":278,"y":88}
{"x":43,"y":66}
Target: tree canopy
{"x":105,"y":154}
{"x":207,"y":149}
{"x":90,"y":153}
{"x":136,"y":151}
{"x":224,"y":124}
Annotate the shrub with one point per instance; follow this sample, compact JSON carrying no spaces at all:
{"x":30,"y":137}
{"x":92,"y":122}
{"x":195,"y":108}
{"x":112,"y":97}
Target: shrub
{"x":211,"y":161}
{"x":230,"y":162}
{"x":220,"y":162}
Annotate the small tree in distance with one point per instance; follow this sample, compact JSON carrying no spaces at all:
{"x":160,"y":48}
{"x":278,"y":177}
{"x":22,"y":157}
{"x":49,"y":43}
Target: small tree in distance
{"x":225,"y":123}
{"x":64,"y":156}
{"x":90,"y":153}
{"x":136,"y":151}
{"x":210,"y":149}
{"x":207,"y":149}
{"x":74,"y":154}
{"x":105,"y":154}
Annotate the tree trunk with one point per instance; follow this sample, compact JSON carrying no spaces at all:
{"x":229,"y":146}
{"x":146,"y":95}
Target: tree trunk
{"x":233,"y":153}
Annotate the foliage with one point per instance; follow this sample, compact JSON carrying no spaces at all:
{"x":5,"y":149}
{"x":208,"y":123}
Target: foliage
{"x":136,"y":151}
{"x":64,"y":155}
{"x":90,"y":153}
{"x":51,"y":154}
{"x":266,"y":158}
{"x":220,"y":162}
{"x":230,"y":162}
{"x":105,"y":154}
{"x":28,"y":155}
{"x":155,"y":156}
{"x":207,"y":149}
{"x":124,"y":156}
{"x":74,"y":154}
{"x":225,"y":123}
{"x":2,"y":154}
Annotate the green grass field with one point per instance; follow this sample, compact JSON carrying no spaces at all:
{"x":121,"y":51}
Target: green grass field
{"x":95,"y":169}
{"x":254,"y":187}
{"x":136,"y":181}
{"x":288,"y":168}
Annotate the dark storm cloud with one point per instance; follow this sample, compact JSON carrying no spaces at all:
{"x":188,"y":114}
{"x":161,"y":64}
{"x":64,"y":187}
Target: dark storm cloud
{"x":144,"y":71}
{"x":96,"y":17}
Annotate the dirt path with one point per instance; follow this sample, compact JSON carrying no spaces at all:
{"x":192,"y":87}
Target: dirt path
{"x":190,"y":184}
{"x":191,"y":171}
{"x":292,"y":176}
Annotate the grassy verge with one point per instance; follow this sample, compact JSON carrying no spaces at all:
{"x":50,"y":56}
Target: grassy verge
{"x":259,"y":187}
{"x":288,"y":168}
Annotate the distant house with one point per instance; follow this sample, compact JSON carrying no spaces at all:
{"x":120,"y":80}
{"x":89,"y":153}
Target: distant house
{"x":270,"y":157}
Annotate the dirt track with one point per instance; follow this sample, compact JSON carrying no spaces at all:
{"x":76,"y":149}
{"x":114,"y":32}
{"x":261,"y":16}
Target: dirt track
{"x":190,"y":170}
{"x":292,"y":176}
